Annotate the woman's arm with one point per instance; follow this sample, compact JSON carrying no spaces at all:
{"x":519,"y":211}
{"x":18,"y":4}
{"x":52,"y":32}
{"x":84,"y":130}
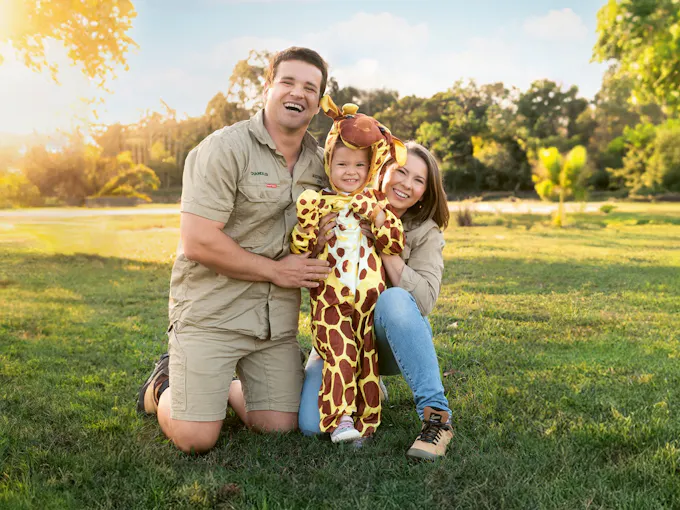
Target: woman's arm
{"x":388,"y":231}
{"x":394,"y":266}
{"x":422,"y":275}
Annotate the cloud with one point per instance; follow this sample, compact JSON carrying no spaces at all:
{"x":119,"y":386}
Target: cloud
{"x":564,"y":25}
{"x":383,"y":50}
{"x":225,"y":55}
{"x":423,"y":72}
{"x":361,"y":36}
{"x":366,"y":50}
{"x":366,"y":32}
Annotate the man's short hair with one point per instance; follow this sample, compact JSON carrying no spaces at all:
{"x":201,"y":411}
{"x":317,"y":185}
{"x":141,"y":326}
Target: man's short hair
{"x":298,"y":53}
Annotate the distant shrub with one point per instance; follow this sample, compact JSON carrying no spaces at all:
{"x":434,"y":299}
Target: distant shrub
{"x":464,"y":216}
{"x":17,"y":191}
{"x":607,"y":208}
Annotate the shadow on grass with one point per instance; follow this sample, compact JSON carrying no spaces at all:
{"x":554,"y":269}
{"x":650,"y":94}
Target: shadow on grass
{"x":538,"y":425}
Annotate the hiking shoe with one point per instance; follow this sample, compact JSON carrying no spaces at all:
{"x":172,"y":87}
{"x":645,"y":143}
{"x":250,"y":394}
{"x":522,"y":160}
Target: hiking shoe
{"x":384,"y":397}
{"x":345,"y":431}
{"x":147,"y":400}
{"x":434,"y":437}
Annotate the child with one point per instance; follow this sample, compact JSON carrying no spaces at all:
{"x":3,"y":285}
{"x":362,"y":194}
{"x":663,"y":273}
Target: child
{"x":342,"y":306}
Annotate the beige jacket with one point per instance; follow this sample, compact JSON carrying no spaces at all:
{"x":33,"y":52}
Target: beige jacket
{"x":422,"y":275}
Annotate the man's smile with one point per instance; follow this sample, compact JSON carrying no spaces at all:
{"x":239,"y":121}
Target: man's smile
{"x":296,"y":107}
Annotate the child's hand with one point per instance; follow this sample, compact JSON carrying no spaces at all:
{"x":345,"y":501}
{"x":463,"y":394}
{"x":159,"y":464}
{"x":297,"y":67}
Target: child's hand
{"x":378,"y":216}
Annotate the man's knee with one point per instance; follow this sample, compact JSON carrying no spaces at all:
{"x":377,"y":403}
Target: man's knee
{"x":195,"y":437}
{"x":272,"y":421}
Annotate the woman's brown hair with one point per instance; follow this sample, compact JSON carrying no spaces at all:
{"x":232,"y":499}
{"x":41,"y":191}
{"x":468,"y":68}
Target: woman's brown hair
{"x":433,"y":203}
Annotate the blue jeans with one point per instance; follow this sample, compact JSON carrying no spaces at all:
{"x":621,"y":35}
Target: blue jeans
{"x":405,"y":347}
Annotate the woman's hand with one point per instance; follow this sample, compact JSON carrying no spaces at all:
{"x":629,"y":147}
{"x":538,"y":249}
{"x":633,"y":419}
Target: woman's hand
{"x":326,"y":232}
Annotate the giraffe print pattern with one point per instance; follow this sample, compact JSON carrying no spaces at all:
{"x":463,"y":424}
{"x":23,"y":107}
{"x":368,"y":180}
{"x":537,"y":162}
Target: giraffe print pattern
{"x":343,"y":304}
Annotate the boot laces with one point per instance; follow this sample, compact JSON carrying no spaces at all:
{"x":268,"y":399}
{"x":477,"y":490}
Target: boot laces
{"x":431,"y":430}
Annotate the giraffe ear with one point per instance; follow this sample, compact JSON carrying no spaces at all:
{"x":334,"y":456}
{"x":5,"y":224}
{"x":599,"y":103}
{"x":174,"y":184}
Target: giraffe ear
{"x":329,"y":107}
{"x":400,"y":152}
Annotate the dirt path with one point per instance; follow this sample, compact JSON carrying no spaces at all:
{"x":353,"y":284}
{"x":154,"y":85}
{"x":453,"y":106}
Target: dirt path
{"x":519,"y":207}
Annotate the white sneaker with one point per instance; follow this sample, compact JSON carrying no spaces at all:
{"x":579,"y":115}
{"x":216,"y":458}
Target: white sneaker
{"x":345,"y":432}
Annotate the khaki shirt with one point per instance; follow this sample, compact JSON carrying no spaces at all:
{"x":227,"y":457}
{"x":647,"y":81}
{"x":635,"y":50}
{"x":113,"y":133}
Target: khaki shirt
{"x":237,"y":177}
{"x":422,"y":275}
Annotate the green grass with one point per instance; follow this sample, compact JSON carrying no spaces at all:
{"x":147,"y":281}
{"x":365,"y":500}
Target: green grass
{"x":560,"y":349}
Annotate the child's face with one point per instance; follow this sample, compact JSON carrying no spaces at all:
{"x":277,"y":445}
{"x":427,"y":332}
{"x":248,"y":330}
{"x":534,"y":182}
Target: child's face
{"x":349,"y":168}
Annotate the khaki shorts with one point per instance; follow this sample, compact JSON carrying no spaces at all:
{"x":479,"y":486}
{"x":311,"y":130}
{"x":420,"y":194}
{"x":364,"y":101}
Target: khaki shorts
{"x":202,"y":364}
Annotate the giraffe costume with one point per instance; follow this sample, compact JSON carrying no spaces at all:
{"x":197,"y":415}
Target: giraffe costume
{"x":343,"y":304}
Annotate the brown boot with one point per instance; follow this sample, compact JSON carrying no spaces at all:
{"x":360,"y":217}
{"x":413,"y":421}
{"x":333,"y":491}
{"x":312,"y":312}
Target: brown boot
{"x":434,"y":437}
{"x":147,"y":400}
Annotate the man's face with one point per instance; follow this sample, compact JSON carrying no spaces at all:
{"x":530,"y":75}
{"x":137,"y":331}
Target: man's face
{"x":292,"y":100}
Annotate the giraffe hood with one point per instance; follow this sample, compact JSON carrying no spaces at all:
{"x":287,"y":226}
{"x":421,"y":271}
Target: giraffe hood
{"x":359,"y":131}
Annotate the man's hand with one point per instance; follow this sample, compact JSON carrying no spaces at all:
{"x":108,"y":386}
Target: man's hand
{"x":326,"y":232}
{"x":295,"y":271}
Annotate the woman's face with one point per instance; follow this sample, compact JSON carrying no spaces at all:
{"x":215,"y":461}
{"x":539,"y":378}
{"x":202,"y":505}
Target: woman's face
{"x":405,"y":185}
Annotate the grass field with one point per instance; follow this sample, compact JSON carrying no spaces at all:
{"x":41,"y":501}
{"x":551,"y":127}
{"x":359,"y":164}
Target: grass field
{"x":559,"y":348}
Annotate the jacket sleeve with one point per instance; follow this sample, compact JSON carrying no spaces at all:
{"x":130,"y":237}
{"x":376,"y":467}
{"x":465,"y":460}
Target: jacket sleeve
{"x":424,"y":269}
{"x":390,"y":236}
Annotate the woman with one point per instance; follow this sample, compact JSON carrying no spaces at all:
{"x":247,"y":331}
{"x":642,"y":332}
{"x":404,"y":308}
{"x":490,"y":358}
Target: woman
{"x":402,"y":331}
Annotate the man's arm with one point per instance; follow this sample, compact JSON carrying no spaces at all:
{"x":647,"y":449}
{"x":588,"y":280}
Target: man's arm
{"x":204,"y":242}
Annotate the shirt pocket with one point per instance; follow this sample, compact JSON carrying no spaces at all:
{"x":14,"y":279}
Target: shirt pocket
{"x":258,"y":220}
{"x":262,"y":193}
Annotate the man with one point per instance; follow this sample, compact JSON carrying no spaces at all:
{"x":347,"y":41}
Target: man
{"x":235,"y":287}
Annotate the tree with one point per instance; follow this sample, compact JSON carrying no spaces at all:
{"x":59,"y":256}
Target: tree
{"x":246,"y":84}
{"x":612,"y":113}
{"x":132,"y":180}
{"x":643,"y":37}
{"x":376,"y":100}
{"x":551,"y":114}
{"x":663,"y":173}
{"x":405,"y":116}
{"x":472,"y":130}
{"x":94,"y":34}
{"x":70,"y":174}
{"x":638,"y":150}
{"x":221,"y":112}
{"x":560,"y":176}
{"x":163,"y":163}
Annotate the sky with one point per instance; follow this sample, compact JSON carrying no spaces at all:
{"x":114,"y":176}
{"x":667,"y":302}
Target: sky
{"x":187,"y":51}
